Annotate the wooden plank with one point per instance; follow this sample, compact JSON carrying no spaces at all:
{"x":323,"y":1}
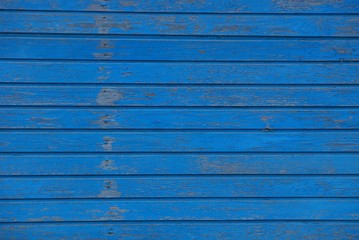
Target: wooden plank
{"x":183,"y":230}
{"x":178,"y":118}
{"x":163,"y":210}
{"x":177,"y":72}
{"x":178,"y":187}
{"x":165,"y":164}
{"x":176,"y":24}
{"x":295,"y":96}
{"x":179,"y":141}
{"x":177,"y":48}
{"x":219,"y":6}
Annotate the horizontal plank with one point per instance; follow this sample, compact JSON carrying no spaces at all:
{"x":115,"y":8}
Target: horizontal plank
{"x":164,"y":164}
{"x":179,"y":141}
{"x":182,"y":230}
{"x":319,"y":96}
{"x":140,"y":210}
{"x":176,"y":24}
{"x":178,"y":187}
{"x":177,"y":118}
{"x":177,"y":48}
{"x":178,"y":73}
{"x":219,"y":6}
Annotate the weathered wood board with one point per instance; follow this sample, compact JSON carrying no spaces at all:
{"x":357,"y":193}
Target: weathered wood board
{"x":179,"y":119}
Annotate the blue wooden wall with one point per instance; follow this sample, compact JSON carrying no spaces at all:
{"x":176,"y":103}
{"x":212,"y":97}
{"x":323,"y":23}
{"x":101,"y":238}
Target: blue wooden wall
{"x":179,"y":119}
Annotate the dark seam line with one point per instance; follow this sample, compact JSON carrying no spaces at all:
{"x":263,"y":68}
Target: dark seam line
{"x":186,"y":176}
{"x":104,"y":11}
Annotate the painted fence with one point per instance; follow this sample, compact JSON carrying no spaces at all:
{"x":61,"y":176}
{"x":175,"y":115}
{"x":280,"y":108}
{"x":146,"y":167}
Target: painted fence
{"x":179,"y":119}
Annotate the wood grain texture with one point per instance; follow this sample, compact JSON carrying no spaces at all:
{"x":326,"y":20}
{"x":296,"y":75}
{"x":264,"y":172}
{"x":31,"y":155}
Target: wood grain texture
{"x":200,"y":96}
{"x":219,"y":6}
{"x":177,"y":48}
{"x":177,"y":72}
{"x":177,"y":24}
{"x":179,"y":118}
{"x":179,"y":141}
{"x":169,"y":164}
{"x":184,"y":230}
{"x":164,"y":210}
{"x":178,"y":187}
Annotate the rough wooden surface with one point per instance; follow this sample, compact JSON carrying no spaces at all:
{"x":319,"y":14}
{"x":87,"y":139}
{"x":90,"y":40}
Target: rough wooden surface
{"x":179,"y":141}
{"x":180,"y":96}
{"x":177,"y":48}
{"x":179,"y":230}
{"x":174,"y":24}
{"x":180,"y":209}
{"x":219,"y":6}
{"x":27,"y":164}
{"x":186,"y":73}
{"x":179,"y":118}
{"x":182,"y":119}
{"x":178,"y":187}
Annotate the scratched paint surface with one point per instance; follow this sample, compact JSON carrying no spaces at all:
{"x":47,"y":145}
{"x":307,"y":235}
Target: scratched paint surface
{"x":179,"y":119}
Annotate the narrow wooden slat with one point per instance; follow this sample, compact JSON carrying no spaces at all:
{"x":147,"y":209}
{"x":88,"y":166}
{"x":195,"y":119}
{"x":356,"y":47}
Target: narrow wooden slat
{"x":177,"y":118}
{"x":181,"y":230}
{"x":178,"y":187}
{"x":219,"y":6}
{"x":179,"y":96}
{"x":175,"y":24}
{"x":191,"y":164}
{"x":110,"y":210}
{"x":179,"y":141}
{"x":178,"y":73}
{"x":195,"y":49}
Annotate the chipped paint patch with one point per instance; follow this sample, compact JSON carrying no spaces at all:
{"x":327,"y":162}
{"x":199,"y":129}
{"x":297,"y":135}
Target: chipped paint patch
{"x":295,"y":5}
{"x":106,"y":24}
{"x":100,"y":5}
{"x":105,"y":44}
{"x":103,"y":56}
{"x":266,"y":119}
{"x":108,"y":97}
{"x":116,"y":212}
{"x":107,"y":144}
{"x":214,"y":166}
{"x":124,"y":25}
{"x":102,"y":23}
{"x":43,"y":121}
{"x":343,"y":51}
{"x":107,"y":121}
{"x":45,"y":219}
{"x":348,"y":30}
{"x":108,"y":165}
{"x":231,"y":28}
{"x":110,"y":189}
{"x":103,"y":73}
{"x":97,"y":7}
{"x":128,"y":3}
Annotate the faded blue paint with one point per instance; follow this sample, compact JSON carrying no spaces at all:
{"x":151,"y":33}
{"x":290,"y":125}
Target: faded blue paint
{"x":147,"y":48}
